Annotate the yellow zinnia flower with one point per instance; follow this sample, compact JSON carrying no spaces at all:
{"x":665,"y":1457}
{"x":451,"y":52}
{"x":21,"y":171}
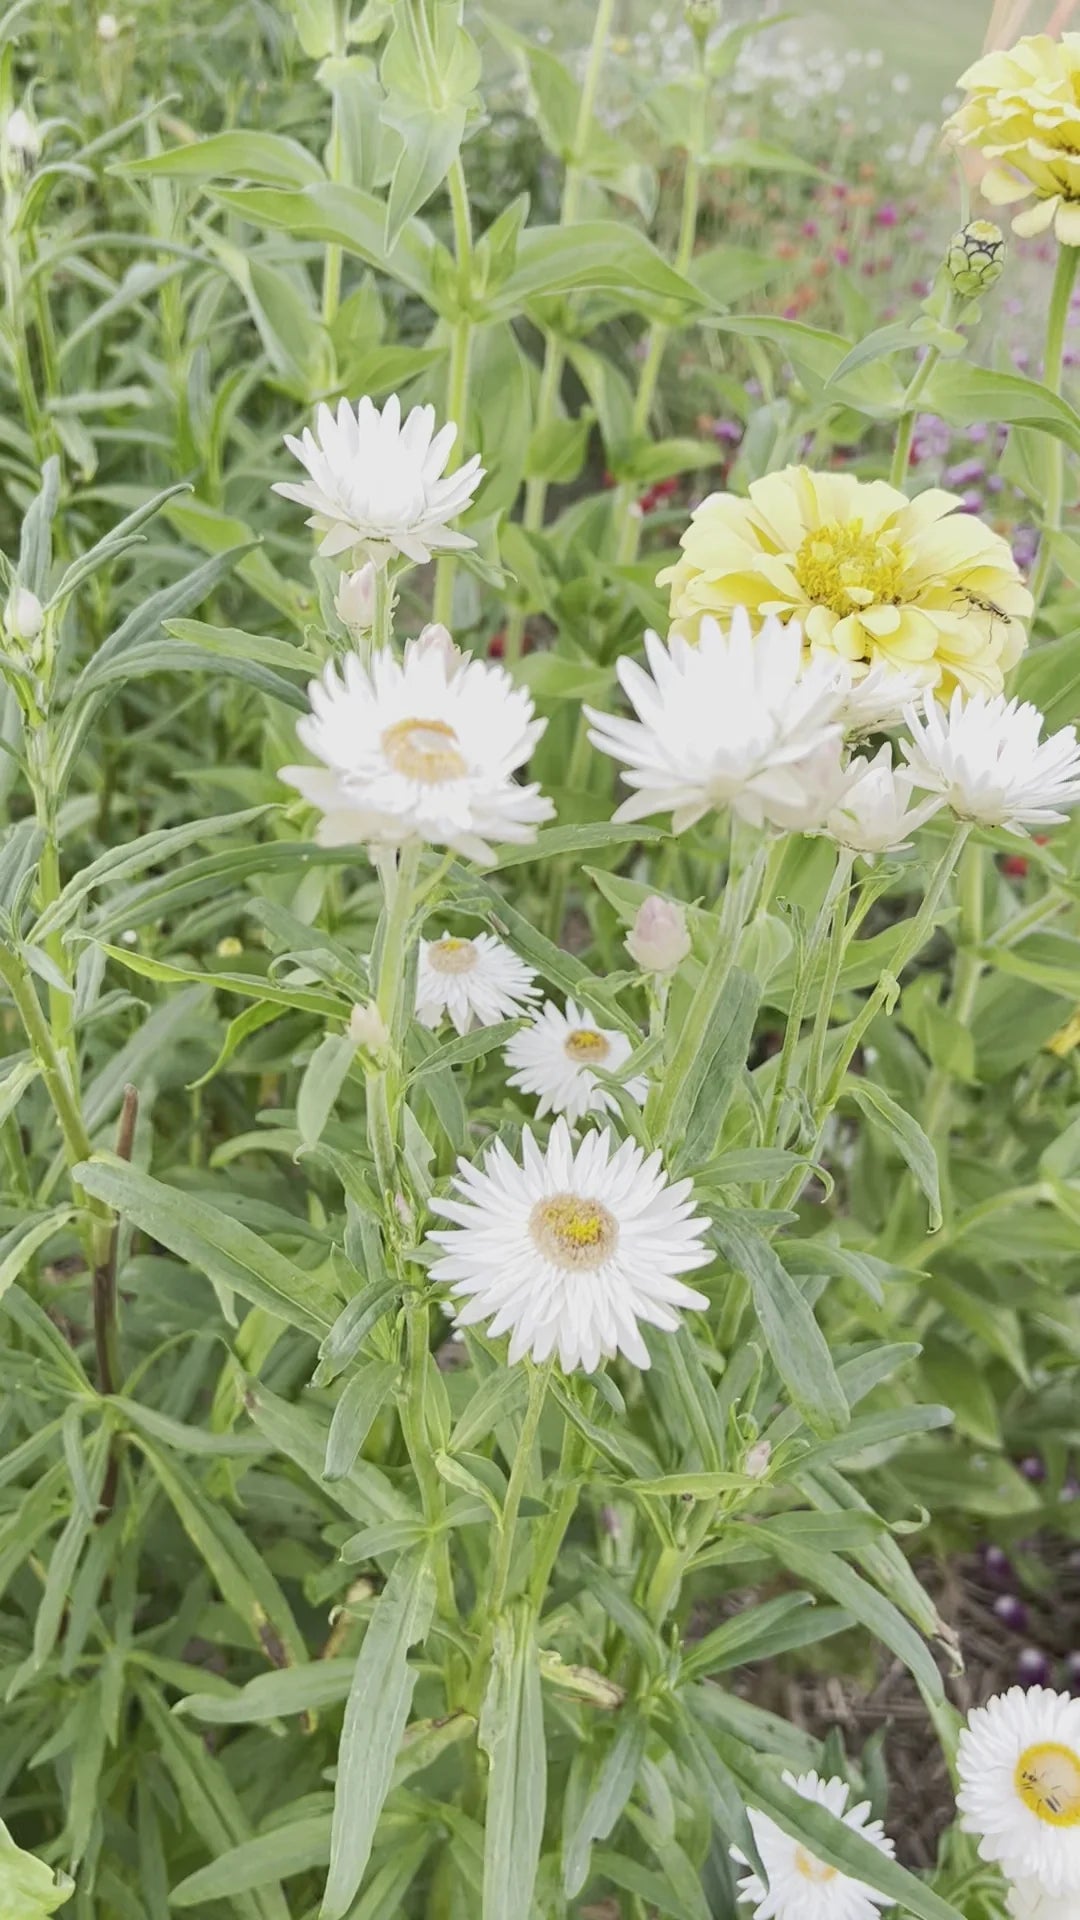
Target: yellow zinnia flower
{"x":871,"y":576}
{"x":1023,"y":113}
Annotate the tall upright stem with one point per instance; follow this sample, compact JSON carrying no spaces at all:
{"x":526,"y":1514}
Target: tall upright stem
{"x":519,"y":1473}
{"x":1056,"y":320}
{"x":332,"y":258}
{"x":457,"y":384}
{"x":906,"y":423}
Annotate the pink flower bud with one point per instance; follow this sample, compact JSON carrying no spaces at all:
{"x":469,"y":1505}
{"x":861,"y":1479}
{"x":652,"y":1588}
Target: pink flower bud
{"x":757,"y":1459}
{"x":437,"y":639}
{"x":658,"y":940}
{"x":354,"y":601}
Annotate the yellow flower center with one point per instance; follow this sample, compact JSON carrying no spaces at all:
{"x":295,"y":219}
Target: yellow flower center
{"x":573,"y":1232}
{"x":840,"y":567}
{"x":1048,"y":1782}
{"x":424,"y":750}
{"x":813,"y":1870}
{"x":452,"y":956}
{"x":584,"y":1044}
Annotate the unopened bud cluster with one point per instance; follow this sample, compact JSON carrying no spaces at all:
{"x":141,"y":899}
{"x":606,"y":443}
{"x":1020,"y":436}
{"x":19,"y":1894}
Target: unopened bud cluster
{"x":976,"y":258}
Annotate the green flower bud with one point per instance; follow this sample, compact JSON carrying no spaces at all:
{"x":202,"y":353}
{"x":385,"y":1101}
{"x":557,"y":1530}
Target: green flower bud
{"x":28,"y":1888}
{"x":975,"y":258}
{"x":701,"y":17}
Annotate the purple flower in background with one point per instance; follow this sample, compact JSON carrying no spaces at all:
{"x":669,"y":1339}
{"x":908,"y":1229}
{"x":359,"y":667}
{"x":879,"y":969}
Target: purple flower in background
{"x":1025,"y":545}
{"x":810,"y":228}
{"x":1032,"y":1667}
{"x":1011,"y":1612}
{"x":931,"y":438}
{"x":1020,"y":358}
{"x":1033,"y":1468}
{"x":842,"y":256}
{"x":887,"y":215}
{"x":995,"y":483}
{"x":971,"y":501}
{"x":964,"y":473}
{"x":920,"y":288}
{"x":730,"y":432}
{"x":997,"y":1566}
{"x":753,"y":388}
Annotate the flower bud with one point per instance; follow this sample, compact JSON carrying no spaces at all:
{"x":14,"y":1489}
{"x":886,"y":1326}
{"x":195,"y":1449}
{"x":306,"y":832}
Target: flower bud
{"x":354,"y":601}
{"x":975,"y":258}
{"x":368,"y":1028}
{"x":757,"y":1459}
{"x":659,"y":940}
{"x":701,"y":17}
{"x":435,"y":638}
{"x":108,"y":28}
{"x":24,"y":616}
{"x":22,"y":139}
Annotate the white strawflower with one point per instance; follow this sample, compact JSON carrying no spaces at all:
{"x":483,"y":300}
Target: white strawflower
{"x":476,"y":982}
{"x":368,"y":1028}
{"x":419,"y":749}
{"x":1029,"y":1900}
{"x":24,"y":615}
{"x":553,"y":1057}
{"x":354,"y":601}
{"x":986,"y":758}
{"x":876,"y":700}
{"x":802,"y":1887}
{"x":570,"y":1250}
{"x":377,"y":486}
{"x":108,"y":27}
{"x":22,"y":139}
{"x":659,"y":939}
{"x":1018,"y":1762}
{"x":874,"y":813}
{"x":732,"y":720}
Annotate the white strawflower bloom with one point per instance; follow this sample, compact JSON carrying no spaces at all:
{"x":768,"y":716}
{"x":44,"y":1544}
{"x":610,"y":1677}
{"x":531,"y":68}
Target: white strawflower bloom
{"x":874,"y":813}
{"x":802,"y":1887}
{"x":876,"y":700}
{"x":1029,"y":1900}
{"x":570,"y":1250}
{"x":553,"y":1057}
{"x":986,"y":758}
{"x":476,"y":982}
{"x":22,"y":139}
{"x":732,"y":720}
{"x":354,"y":601}
{"x":24,"y":615}
{"x":419,"y":749}
{"x":1018,"y":1763}
{"x":377,"y":485}
{"x":659,"y":939}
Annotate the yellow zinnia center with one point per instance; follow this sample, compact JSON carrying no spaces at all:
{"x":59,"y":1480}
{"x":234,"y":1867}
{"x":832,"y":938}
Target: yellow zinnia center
{"x":841,"y":567}
{"x":452,"y":956}
{"x":1048,"y":1782}
{"x":813,"y":1870}
{"x":573,"y":1232}
{"x":424,"y":750}
{"x":584,"y":1043}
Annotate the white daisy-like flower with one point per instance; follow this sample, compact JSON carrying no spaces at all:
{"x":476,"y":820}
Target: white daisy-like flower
{"x":875,"y":700}
{"x":476,"y":982}
{"x":420,"y":749}
{"x":802,"y":1887}
{"x":569,"y":1251}
{"x":875,"y":813}
{"x":733,"y":720}
{"x":1018,"y":1762}
{"x":1029,"y":1900}
{"x":378,"y":486}
{"x":987,"y":759}
{"x":553,"y":1057}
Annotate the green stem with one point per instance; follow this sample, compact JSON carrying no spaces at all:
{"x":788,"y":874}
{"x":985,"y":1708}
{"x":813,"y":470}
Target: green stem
{"x":457,"y":386}
{"x":332,"y":258}
{"x":832,"y":909}
{"x":554,"y":357}
{"x":1056,"y":321}
{"x":575,"y":1457}
{"x":968,"y":973}
{"x":539,"y":1378}
{"x":906,"y":423}
{"x":834,"y":960}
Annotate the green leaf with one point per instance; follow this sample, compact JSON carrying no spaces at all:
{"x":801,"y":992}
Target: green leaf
{"x":143,"y":624}
{"x":466,"y":1047}
{"x":816,"y":354}
{"x":324,"y":1077}
{"x":253,"y":986}
{"x":273,"y":1696}
{"x":294,"y":1847}
{"x":347,"y":217}
{"x":375,"y":1717}
{"x":229,"y":1254}
{"x":591,"y":253}
{"x":761,"y":1632}
{"x":706,"y":1092}
{"x":355,"y":1413}
{"x":267,"y":159}
{"x":17,"y":1251}
{"x":796,"y":1343}
{"x":511,"y":1733}
{"x":614,"y":1783}
{"x":761,"y":156}
{"x":148,"y":850}
{"x":904,"y":1133}
{"x":430,"y":140}
{"x":965,"y":395}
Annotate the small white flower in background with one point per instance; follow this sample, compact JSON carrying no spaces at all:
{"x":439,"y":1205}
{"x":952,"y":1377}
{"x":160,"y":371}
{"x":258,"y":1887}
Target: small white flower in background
{"x":108,"y":28}
{"x":24,"y":616}
{"x":570,"y":1250}
{"x":22,"y":139}
{"x":987,"y":760}
{"x":1028,"y":1900}
{"x":802,"y":1887}
{"x":354,"y":601}
{"x":874,"y":813}
{"x":659,"y":939}
{"x":377,"y":485}
{"x":368,"y":1028}
{"x":553,"y":1056}
{"x":476,"y":982}
{"x":733,"y":721}
{"x":1018,"y":1762}
{"x":419,"y":749}
{"x":877,"y":700}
